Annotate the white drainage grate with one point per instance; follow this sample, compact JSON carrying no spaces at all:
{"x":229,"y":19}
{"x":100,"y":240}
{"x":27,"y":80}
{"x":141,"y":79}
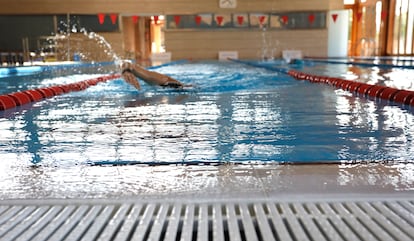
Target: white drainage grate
{"x":264,"y":220}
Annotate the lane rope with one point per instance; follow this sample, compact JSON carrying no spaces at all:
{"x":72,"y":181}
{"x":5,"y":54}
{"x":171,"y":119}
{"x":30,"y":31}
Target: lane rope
{"x":12,"y":100}
{"x":401,"y":96}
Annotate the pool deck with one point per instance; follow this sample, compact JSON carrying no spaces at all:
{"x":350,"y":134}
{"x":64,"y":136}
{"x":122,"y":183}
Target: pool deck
{"x":208,"y":181}
{"x":253,"y":201}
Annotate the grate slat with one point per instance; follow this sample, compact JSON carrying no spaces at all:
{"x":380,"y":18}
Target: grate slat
{"x":3,"y":208}
{"x":247,"y":222}
{"x":338,"y":222}
{"x":159,"y":222}
{"x":173,"y":223}
{"x":232,"y":221}
{"x":16,"y":215}
{"x":38,"y":225}
{"x":188,"y":223}
{"x":404,"y":210}
{"x":218,"y":230}
{"x":263,"y":222}
{"x":399,"y":222}
{"x":202,"y":230}
{"x":242,"y":220}
{"x":145,"y":223}
{"x":84,"y":223}
{"x":129,"y":223}
{"x":368,"y":222}
{"x":354,"y":223}
{"x":28,"y":218}
{"x":69,"y":223}
{"x":294,"y":227}
{"x":384,"y":221}
{"x":7,"y":215}
{"x":323,"y":222}
{"x":98,"y":223}
{"x":308,"y":223}
{"x":280,"y":228}
{"x":54,"y":224}
{"x":114,"y":223}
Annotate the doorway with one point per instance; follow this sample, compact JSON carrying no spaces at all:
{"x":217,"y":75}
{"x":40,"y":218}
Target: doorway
{"x":143,"y":36}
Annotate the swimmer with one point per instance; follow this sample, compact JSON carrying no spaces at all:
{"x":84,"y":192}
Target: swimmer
{"x":131,"y":72}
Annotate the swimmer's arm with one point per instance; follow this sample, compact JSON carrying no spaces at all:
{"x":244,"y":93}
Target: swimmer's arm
{"x":130,"y":78}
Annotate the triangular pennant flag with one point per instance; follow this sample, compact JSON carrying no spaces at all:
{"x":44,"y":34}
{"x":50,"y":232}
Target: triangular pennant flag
{"x":198,"y":19}
{"x":240,"y":19}
{"x":177,"y":20}
{"x":219,"y":20}
{"x":334,"y":17}
{"x":101,"y":18}
{"x":262,"y":19}
{"x":135,"y":19}
{"x":359,"y":16}
{"x":311,"y":18}
{"x":114,"y":17}
{"x":285,"y":19}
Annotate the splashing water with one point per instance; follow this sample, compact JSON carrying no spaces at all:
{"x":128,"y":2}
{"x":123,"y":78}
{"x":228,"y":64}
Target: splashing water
{"x":269,"y":46}
{"x":85,"y":45}
{"x":102,"y":42}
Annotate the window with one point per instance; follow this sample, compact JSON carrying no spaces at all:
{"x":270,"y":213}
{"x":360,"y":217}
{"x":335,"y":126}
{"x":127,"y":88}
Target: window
{"x":403,"y":28}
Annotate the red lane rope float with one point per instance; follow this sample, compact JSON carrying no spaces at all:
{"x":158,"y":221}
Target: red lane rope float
{"x":376,"y":91}
{"x":34,"y":95}
{"x":6,"y":102}
{"x":12,"y":100}
{"x":20,"y":98}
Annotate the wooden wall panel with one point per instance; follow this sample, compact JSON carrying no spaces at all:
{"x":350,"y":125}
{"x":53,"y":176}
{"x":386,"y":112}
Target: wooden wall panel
{"x":154,"y":6}
{"x":194,"y":43}
{"x":249,"y":44}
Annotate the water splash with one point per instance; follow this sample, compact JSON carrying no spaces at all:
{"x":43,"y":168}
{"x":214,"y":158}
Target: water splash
{"x":269,"y":46}
{"x":78,"y":44}
{"x":104,"y":44}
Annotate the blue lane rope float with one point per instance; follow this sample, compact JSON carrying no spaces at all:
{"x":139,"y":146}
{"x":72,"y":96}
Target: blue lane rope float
{"x":263,"y":65}
{"x":383,"y":66}
{"x":27,"y":70}
{"x":375,"y":91}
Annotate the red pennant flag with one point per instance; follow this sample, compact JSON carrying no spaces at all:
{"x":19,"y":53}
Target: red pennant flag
{"x":384,"y":15}
{"x":240,"y":20}
{"x":311,"y":18}
{"x":135,"y":19}
{"x":155,"y":19}
{"x":198,"y":19}
{"x":114,"y":17}
{"x":359,"y":16}
{"x":177,"y":20}
{"x":285,"y":19}
{"x":219,"y":20}
{"x":334,"y":17}
{"x":101,"y":18}
{"x":262,"y":19}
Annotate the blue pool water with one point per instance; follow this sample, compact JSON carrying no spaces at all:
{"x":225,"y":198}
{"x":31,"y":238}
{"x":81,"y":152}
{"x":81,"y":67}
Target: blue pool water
{"x":234,"y":113}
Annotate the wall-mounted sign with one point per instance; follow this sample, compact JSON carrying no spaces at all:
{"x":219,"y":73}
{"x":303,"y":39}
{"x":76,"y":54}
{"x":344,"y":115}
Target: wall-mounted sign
{"x":283,"y":20}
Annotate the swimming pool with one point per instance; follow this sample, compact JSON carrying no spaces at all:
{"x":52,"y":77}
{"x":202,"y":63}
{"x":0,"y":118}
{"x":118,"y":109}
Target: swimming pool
{"x":235,"y":113}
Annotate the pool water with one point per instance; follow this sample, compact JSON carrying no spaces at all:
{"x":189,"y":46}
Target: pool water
{"x":234,"y":113}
